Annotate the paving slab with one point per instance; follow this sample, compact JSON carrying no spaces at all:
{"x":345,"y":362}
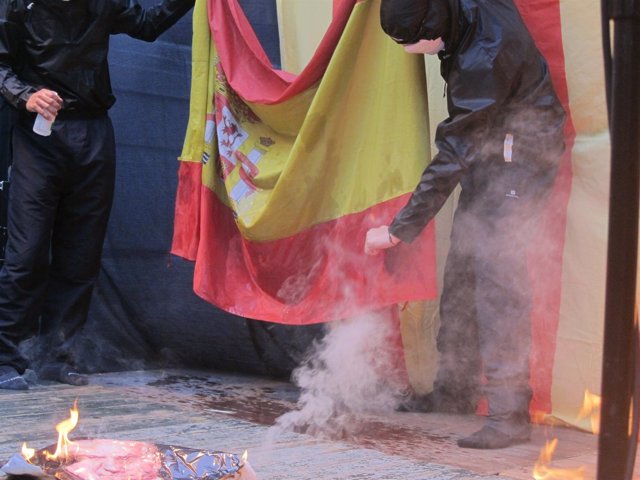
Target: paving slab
{"x":233,"y":413}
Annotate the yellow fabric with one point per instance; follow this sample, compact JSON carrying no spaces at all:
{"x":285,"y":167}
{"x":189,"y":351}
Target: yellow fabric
{"x":302,"y":25}
{"x":420,"y":322}
{"x":584,"y":65}
{"x":578,"y":363}
{"x":315,"y":162}
{"x":202,"y":76}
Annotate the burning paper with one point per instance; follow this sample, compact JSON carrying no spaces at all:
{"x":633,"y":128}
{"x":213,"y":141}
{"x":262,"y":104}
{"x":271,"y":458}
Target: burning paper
{"x":123,"y":460}
{"x":101,"y":459}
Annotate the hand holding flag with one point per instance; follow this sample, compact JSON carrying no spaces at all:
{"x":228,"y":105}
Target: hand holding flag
{"x":378,"y":239}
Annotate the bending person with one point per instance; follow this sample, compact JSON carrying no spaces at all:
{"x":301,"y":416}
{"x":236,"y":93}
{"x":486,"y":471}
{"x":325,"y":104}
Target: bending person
{"x":502,"y":142}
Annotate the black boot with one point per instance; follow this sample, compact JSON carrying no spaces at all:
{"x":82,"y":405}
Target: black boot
{"x":10,"y":379}
{"x":490,"y":438}
{"x":62,"y":373}
{"x":437,"y":402}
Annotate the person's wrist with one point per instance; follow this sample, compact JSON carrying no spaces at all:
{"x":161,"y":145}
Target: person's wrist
{"x":24,"y":102}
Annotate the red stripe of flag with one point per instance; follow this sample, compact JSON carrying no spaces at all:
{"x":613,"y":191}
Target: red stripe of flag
{"x":546,"y":254}
{"x":318,"y":275}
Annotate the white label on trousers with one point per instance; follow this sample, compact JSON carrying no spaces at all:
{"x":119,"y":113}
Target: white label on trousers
{"x":508,"y":148}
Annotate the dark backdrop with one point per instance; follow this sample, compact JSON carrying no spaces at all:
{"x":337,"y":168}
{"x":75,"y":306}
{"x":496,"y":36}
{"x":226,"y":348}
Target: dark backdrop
{"x":144,"y":313}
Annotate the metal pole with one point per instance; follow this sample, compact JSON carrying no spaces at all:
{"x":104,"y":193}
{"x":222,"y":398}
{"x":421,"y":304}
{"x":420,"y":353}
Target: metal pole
{"x":616,"y":450}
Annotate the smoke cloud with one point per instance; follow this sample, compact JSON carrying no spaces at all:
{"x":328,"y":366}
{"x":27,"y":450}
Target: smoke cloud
{"x":353,"y":371}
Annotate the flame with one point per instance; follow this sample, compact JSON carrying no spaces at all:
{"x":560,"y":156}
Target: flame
{"x":538,"y":417}
{"x":542,"y":471}
{"x":244,"y":458}
{"x":27,"y":453}
{"x":64,"y":428}
{"x":631,"y":417}
{"x":591,"y":408}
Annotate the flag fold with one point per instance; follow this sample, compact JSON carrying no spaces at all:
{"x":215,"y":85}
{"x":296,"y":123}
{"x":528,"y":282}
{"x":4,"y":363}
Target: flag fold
{"x":282,"y":175}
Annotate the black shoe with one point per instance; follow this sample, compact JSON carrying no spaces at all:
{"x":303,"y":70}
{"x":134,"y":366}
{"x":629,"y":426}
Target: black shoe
{"x":63,"y":373}
{"x":436,"y":402}
{"x":489,"y":438}
{"x":10,"y":379}
{"x":416,"y":403}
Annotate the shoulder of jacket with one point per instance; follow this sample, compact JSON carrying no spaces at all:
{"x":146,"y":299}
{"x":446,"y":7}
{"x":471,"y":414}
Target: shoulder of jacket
{"x":16,"y":7}
{"x":468,"y":9}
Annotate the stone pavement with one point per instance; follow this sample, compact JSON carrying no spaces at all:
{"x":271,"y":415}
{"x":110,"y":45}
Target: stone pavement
{"x":231,"y":413}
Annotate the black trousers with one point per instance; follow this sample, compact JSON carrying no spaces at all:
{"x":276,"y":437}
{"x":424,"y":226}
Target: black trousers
{"x":60,"y":200}
{"x":6,"y":124}
{"x":486,"y":299}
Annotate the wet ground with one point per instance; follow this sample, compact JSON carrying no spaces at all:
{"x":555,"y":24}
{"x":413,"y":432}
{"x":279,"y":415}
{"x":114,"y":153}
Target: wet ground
{"x":232,"y":413}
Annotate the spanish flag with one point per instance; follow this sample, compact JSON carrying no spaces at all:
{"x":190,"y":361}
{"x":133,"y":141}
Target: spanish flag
{"x":282,"y":174}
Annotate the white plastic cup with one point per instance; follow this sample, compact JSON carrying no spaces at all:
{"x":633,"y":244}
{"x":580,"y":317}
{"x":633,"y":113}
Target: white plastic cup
{"x":42,"y":126}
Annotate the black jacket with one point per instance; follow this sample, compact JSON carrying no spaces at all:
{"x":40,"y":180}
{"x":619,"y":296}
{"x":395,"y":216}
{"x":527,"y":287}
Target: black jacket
{"x":62,"y":45}
{"x":498,"y":83}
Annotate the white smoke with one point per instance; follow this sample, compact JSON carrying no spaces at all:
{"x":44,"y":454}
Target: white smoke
{"x":354,"y":370}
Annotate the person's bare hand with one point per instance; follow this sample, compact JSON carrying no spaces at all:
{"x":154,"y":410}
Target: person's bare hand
{"x":45,"y":102}
{"x":379,"y":239}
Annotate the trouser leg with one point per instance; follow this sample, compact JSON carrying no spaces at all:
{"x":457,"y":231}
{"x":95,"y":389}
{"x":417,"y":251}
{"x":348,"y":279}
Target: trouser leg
{"x":503,"y":305}
{"x":33,"y":202}
{"x":506,"y":203}
{"x":459,"y":362}
{"x":78,"y":234}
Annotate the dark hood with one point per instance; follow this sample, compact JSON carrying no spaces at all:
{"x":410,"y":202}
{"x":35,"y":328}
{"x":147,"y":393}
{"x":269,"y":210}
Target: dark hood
{"x":408,"y":21}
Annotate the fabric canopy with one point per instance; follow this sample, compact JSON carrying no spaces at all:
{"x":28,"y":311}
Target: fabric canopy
{"x":283,"y":174}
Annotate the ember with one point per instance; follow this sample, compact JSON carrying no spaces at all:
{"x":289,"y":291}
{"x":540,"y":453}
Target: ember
{"x":93,"y":459}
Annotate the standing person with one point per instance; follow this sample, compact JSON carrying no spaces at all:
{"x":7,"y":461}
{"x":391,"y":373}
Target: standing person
{"x":53,"y":62}
{"x":502,"y":141}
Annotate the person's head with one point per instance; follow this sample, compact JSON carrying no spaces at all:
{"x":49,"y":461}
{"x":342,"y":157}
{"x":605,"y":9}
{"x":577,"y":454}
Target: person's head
{"x":421,"y":25}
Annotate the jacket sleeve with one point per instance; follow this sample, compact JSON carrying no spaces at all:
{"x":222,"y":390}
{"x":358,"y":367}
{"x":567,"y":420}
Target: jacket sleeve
{"x":474,"y":96}
{"x":12,"y":88}
{"x":147,"y":24}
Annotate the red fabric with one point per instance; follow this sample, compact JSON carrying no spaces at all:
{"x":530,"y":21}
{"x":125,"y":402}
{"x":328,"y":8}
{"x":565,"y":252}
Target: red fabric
{"x":399,"y":365}
{"x":247,"y":66}
{"x":319,"y":275}
{"x":186,"y":226}
{"x":545,"y":257}
{"x":223,"y":267}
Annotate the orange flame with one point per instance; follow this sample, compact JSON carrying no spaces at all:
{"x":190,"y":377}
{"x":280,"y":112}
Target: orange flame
{"x":591,"y":408}
{"x":538,"y":417}
{"x":27,"y":453}
{"x":542,"y":470}
{"x":64,"y":428}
